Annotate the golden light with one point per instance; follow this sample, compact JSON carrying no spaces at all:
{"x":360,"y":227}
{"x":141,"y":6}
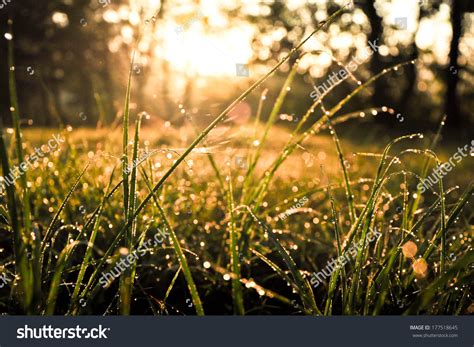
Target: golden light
{"x":191,"y":48}
{"x":60,"y":19}
{"x":200,"y":39}
{"x":409,"y":249}
{"x":197,"y":38}
{"x":420,"y":268}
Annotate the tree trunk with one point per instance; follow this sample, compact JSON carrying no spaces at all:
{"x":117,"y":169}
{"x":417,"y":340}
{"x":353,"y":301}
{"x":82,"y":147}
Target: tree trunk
{"x":376,"y":64}
{"x":452,"y":71}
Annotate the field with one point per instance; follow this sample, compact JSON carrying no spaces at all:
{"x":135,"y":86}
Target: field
{"x":254,"y":218}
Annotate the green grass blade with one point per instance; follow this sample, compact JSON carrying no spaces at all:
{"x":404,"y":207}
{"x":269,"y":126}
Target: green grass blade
{"x":416,"y":201}
{"x":19,"y":242}
{"x":180,"y":255}
{"x":237,"y":294}
{"x":342,"y":161}
{"x":14,"y":108}
{"x":271,"y":119}
{"x":304,"y":289}
{"x":337,"y":270}
{"x":33,"y":275}
{"x":173,"y":281}
{"x":125,"y":126}
{"x":51,"y":226}
{"x":275,"y":268}
{"x":126,"y":282}
{"x":90,"y":245}
{"x":56,"y":282}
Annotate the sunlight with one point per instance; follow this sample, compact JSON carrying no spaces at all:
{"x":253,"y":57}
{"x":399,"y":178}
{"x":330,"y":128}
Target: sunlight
{"x":196,"y":38}
{"x":190,"y":49}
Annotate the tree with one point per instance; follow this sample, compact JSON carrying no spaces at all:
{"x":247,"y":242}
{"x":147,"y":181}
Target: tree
{"x":458,"y":9}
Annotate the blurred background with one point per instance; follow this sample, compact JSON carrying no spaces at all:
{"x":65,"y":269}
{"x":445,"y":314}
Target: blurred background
{"x":194,"y":56}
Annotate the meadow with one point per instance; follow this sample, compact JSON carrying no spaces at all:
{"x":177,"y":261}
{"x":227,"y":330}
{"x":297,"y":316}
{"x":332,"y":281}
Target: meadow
{"x":94,"y":205}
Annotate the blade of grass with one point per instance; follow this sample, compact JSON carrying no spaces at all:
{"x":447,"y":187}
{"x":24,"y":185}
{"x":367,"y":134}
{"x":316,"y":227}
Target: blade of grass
{"x":349,"y":195}
{"x":416,"y":201}
{"x":90,"y":245}
{"x":19,"y":242}
{"x":125,"y":126}
{"x":14,"y":108}
{"x":51,"y":226}
{"x":237,"y":295}
{"x":35,"y":276}
{"x":271,"y":120}
{"x":179,"y":254}
{"x":337,"y":270}
{"x":275,"y":268}
{"x":173,"y":281}
{"x":55,"y":283}
{"x":127,"y":279}
{"x":304,"y":289}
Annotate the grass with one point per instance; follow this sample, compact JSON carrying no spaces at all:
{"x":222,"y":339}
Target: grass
{"x":228,"y":252}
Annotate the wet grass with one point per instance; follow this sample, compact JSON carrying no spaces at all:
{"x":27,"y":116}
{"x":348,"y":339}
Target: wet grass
{"x":73,"y":218}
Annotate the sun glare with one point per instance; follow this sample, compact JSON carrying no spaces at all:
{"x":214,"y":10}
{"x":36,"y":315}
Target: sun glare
{"x":197,"y":51}
{"x":199,"y":38}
